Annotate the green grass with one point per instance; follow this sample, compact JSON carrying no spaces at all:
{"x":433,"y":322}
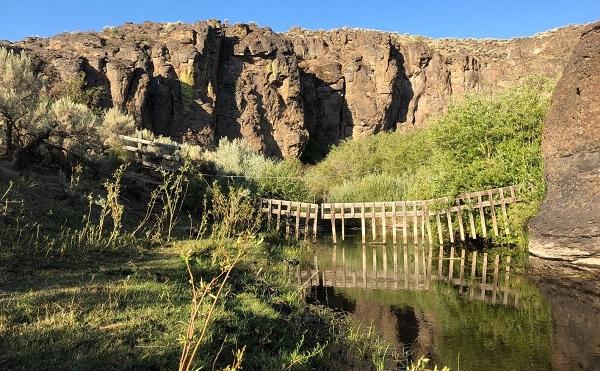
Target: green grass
{"x":99,"y":314}
{"x":129,"y":311}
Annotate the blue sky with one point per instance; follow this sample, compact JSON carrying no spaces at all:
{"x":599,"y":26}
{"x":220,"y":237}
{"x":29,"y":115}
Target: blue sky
{"x":435,"y":18}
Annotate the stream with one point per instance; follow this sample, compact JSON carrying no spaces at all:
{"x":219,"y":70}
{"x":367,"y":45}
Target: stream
{"x":463,"y":309}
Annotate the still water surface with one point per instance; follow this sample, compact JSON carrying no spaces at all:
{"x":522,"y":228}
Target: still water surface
{"x":466,"y":310}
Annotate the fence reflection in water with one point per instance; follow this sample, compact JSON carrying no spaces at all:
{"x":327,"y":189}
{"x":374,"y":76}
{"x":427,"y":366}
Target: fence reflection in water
{"x":412,"y":267}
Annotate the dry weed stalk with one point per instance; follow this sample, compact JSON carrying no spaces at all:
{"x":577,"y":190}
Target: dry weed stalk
{"x":233,"y":214}
{"x":202,"y":293}
{"x":171,"y":192}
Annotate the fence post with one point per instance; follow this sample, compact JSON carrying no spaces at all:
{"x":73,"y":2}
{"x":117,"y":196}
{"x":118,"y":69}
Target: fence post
{"x":332,"y":214}
{"x":362,"y":223}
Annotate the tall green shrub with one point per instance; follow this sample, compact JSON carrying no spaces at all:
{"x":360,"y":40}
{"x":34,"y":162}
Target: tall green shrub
{"x":264,"y":176}
{"x":480,"y":142}
{"x":19,"y":96}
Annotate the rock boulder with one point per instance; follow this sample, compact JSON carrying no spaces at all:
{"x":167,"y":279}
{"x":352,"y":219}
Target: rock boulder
{"x":568,"y":225}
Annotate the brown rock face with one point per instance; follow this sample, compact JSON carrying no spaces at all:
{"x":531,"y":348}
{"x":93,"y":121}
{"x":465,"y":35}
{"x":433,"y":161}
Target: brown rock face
{"x":568,"y":225}
{"x":259,"y":92}
{"x":292,"y":94}
{"x":350,"y":82}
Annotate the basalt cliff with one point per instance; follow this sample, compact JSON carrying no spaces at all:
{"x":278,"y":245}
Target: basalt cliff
{"x":291,"y":94}
{"x":568,"y":225}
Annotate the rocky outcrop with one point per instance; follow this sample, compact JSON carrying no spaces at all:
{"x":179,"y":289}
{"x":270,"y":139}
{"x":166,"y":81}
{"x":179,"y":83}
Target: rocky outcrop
{"x":165,"y":75}
{"x":259,"y":92}
{"x":350,"y":81}
{"x":568,"y":226}
{"x":292,"y":94}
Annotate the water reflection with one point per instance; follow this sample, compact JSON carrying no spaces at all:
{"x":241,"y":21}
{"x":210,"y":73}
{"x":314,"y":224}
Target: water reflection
{"x":454,"y":306}
{"x":411,"y":268}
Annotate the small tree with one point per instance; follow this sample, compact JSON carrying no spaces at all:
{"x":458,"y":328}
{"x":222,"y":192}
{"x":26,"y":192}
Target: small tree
{"x":19,"y":95}
{"x":63,"y":129}
{"x":73,"y":128}
{"x":77,"y":89}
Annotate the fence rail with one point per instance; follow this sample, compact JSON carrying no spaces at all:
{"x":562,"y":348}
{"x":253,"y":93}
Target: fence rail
{"x":486,"y":209}
{"x":150,"y":153}
{"x":404,"y":214}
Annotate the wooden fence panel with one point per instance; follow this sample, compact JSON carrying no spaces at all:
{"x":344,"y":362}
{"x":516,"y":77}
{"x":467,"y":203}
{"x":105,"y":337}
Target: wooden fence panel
{"x":415,"y":216}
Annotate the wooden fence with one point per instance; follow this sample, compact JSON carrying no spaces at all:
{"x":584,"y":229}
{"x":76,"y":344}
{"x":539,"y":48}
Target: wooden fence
{"x":150,"y":153}
{"x":288,"y":212}
{"x":418,"y":214}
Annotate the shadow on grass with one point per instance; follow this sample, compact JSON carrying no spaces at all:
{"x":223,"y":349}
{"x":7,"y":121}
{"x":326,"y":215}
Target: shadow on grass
{"x":129,"y":313}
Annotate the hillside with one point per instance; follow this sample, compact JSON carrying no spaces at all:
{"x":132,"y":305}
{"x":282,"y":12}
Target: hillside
{"x":291,"y":94}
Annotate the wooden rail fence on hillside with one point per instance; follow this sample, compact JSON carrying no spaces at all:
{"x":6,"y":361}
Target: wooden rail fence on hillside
{"x":150,"y":153}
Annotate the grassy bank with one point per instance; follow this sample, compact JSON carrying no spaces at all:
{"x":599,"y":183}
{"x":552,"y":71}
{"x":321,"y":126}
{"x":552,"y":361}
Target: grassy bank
{"x":130,"y":312}
{"x":82,"y":286}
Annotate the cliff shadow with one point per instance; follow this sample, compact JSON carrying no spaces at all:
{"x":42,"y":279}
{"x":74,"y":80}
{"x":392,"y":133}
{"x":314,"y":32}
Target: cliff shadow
{"x":163,"y":106}
{"x":326,"y":116}
{"x":94,"y":78}
{"x":402,"y":94}
{"x":227,"y":111}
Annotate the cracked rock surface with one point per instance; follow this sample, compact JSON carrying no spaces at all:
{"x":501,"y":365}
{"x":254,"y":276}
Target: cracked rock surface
{"x":291,"y":94}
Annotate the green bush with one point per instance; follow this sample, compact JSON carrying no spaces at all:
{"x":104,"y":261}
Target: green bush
{"x":481,"y":142}
{"x":264,"y":176}
{"x":372,"y":187}
{"x":385,"y":153}
{"x":284,"y":179}
{"x":492,"y":141}
{"x":236,"y":157}
{"x":115,"y":123}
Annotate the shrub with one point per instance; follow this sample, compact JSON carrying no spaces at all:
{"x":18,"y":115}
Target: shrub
{"x":284,"y":179}
{"x":264,"y":176}
{"x":372,"y":187}
{"x":77,"y":89}
{"x":19,"y":96}
{"x":72,"y":127}
{"x":385,"y":153}
{"x":481,"y":142}
{"x":493,"y":141}
{"x":236,"y":157}
{"x":57,"y":123}
{"x":116,"y":123}
{"x":191,"y":152}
